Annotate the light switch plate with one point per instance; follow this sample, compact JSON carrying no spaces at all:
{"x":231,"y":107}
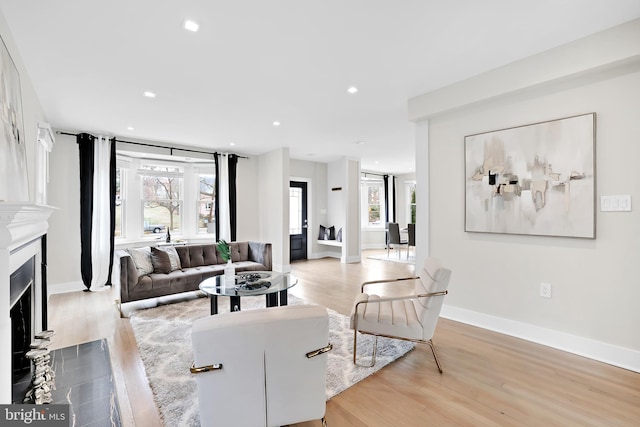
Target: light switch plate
{"x":616,"y":203}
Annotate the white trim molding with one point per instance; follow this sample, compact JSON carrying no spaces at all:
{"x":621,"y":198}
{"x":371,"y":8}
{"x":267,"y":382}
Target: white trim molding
{"x":592,"y":349}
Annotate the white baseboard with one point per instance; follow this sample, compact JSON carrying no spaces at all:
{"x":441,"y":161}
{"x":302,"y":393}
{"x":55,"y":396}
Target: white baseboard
{"x":596,"y":350}
{"x":325,"y":254}
{"x":63,"y":288}
{"x":374,"y":246}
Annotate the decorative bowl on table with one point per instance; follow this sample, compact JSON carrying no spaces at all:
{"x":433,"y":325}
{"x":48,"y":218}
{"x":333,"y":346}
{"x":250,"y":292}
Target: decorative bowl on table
{"x":252,"y":280}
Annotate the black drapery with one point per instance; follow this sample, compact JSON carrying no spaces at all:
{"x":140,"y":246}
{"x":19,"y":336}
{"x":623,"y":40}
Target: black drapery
{"x":393,"y":191}
{"x":86,"y":149}
{"x":233,"y":167}
{"x":216,"y":202}
{"x":232,"y":162}
{"x":112,"y":206}
{"x":386,"y":198}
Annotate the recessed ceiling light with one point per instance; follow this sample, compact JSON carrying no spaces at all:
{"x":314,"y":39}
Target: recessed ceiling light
{"x":191,"y":26}
{"x":359,"y":142}
{"x":352,"y":89}
{"x":276,"y":123}
{"x":377,"y":162}
{"x":129,"y":127}
{"x":232,"y":144}
{"x":149,"y":94}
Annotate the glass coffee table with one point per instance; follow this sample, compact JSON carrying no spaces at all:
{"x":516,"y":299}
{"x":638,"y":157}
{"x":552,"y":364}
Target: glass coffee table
{"x":249,"y":283}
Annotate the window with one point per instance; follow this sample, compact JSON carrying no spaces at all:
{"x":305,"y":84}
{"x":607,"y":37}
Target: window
{"x":206,"y":200}
{"x":372,"y":203}
{"x":295,"y":210}
{"x":411,"y":197}
{"x":120,"y":185}
{"x":161,"y":198}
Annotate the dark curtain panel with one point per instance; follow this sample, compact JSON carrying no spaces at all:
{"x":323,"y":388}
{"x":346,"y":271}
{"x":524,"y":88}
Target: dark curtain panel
{"x":233,"y":167}
{"x":393,"y":189}
{"x":216,"y":207}
{"x":86,"y":151}
{"x":386,"y":198}
{"x":112,"y":205}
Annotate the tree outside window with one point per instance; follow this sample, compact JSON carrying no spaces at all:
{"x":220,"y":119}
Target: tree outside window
{"x":206,"y":200}
{"x":412,"y":203}
{"x":373,"y":200}
{"x":119,"y":203}
{"x":162,"y":198}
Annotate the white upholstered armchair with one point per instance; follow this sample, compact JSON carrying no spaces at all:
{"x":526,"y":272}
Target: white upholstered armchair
{"x":410,"y":317}
{"x":263,"y":367}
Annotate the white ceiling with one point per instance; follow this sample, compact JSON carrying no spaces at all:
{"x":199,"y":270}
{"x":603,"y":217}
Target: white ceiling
{"x":254,"y":61}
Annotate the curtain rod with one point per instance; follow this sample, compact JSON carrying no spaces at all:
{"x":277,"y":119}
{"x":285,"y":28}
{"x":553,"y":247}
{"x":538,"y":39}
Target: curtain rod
{"x":373,"y":173}
{"x":156,"y":146}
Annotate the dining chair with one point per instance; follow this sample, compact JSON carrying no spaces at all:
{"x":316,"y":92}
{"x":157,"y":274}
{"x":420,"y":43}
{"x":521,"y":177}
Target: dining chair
{"x":411,"y":228}
{"x":394,"y":237}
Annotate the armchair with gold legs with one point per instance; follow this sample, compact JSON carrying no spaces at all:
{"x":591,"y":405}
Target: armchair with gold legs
{"x":410,"y":317}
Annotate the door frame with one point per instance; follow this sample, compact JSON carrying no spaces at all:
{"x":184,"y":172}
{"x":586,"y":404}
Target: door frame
{"x":310,"y":216}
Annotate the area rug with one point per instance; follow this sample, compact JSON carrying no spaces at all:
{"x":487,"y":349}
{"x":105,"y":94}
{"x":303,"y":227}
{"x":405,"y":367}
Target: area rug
{"x":163,"y":335}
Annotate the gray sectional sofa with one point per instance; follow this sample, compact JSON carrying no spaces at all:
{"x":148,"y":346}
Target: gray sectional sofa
{"x":153,"y":272}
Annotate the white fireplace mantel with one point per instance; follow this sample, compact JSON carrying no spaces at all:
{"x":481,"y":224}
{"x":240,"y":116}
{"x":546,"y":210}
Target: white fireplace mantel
{"x":22,"y":222}
{"x":21,"y":226}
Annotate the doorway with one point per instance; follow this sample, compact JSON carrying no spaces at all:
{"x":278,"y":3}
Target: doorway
{"x":297,"y":220}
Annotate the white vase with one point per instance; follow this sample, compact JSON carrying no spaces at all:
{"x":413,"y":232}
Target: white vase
{"x":229,"y":274}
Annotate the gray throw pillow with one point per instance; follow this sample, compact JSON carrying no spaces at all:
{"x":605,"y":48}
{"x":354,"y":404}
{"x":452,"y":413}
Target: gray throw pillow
{"x":174,"y":258}
{"x":160,"y":261}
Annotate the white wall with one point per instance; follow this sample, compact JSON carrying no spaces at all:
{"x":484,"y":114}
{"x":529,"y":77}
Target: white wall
{"x":496,"y":278}
{"x":273,"y":205}
{"x":248,"y":225}
{"x":31,"y":112}
{"x":64,"y":225}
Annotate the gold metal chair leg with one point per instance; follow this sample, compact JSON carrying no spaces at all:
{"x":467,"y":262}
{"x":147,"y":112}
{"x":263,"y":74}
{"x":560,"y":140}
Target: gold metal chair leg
{"x":355,"y":347}
{"x":324,"y":421}
{"x":433,"y":350}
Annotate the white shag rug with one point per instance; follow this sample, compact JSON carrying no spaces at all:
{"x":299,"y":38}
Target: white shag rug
{"x":163,"y":335}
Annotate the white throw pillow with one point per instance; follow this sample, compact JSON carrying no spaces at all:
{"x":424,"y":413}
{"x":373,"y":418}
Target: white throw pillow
{"x":142,"y":260}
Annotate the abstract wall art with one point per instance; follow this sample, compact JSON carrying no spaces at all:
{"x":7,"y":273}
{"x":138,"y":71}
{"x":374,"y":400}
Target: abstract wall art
{"x":536,"y":179}
{"x":14,"y":185}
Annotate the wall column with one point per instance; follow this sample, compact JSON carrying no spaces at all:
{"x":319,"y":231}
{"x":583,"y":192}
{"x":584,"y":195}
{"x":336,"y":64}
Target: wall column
{"x":423,"y":233}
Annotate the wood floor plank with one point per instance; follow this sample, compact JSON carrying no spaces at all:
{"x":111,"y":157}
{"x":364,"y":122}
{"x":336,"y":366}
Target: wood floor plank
{"x":489,"y":379}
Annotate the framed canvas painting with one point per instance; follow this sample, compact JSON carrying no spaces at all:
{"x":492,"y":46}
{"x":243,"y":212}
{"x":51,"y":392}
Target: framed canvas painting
{"x":14,"y":184}
{"x":536,"y":179}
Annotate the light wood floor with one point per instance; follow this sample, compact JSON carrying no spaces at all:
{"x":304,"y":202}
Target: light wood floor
{"x":489,"y":379}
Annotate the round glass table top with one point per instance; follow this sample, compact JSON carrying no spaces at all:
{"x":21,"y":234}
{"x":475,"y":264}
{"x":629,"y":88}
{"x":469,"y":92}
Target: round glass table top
{"x":248,"y":283}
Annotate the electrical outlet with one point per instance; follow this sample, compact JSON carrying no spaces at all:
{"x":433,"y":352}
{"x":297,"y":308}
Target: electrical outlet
{"x":545,"y":290}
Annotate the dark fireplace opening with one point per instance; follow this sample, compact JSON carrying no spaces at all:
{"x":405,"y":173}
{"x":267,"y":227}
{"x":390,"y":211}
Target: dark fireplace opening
{"x":21,"y":313}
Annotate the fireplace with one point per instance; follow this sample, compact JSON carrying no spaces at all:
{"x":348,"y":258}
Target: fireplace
{"x":23,"y":293}
{"x":21,"y":284}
